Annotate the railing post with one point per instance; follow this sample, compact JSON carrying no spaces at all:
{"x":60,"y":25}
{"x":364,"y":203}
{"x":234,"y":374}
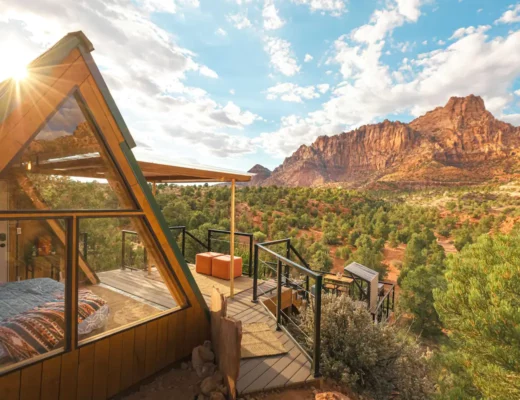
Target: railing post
{"x":123,"y":251}
{"x":255,"y":276}
{"x":317,"y":327}
{"x":250,"y":254}
{"x":307,"y":287}
{"x":209,"y":240}
{"x":288,"y":256}
{"x":279,"y":297}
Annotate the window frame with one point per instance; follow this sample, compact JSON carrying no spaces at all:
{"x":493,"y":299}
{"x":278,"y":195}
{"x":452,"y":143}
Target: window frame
{"x":72,"y":218}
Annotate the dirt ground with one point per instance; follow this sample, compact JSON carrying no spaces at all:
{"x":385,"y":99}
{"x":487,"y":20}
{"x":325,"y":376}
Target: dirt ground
{"x":183,"y":384}
{"x":175,"y":383}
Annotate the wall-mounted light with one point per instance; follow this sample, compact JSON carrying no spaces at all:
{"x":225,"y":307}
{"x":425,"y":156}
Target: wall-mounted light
{"x":29,"y":166}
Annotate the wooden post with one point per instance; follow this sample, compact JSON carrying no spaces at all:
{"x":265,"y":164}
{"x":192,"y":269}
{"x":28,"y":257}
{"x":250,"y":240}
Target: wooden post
{"x":232,"y":242}
{"x":154,"y":188}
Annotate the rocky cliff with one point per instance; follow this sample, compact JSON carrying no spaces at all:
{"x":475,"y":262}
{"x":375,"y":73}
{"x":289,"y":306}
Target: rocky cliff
{"x":459,"y":143}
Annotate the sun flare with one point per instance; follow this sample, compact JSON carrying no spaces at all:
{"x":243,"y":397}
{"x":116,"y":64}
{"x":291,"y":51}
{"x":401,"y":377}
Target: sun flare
{"x":14,"y":67}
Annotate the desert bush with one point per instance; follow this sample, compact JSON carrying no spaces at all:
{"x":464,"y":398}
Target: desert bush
{"x":374,"y":359}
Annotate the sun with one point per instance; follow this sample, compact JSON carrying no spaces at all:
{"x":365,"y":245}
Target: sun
{"x":19,"y":73}
{"x":14,"y":67}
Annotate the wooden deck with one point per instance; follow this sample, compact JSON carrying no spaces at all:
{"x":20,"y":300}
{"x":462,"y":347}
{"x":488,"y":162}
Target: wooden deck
{"x":256,"y":374}
{"x":265,"y":373}
{"x":135,"y":284}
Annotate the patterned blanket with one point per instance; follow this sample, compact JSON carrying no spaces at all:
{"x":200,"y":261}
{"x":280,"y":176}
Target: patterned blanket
{"x":42,"y":329}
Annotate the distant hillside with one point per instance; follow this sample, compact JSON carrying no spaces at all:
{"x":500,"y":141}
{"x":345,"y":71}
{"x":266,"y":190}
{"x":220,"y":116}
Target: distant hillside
{"x":460,"y":143}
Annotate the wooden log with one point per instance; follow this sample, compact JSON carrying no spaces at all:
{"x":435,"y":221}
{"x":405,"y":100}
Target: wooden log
{"x":230,"y":354}
{"x":218,"y":310}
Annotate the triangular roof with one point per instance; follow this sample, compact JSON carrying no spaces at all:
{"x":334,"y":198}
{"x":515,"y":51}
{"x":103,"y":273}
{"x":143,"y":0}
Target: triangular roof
{"x":68,"y":69}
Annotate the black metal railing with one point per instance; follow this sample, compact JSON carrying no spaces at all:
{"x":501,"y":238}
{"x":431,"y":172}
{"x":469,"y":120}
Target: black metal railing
{"x":306,"y":295}
{"x":131,"y":266}
{"x":225,"y":248}
{"x":385,"y":304}
{"x":185,"y":234}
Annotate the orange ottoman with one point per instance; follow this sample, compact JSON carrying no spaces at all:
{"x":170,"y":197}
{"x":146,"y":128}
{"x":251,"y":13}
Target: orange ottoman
{"x":220,"y":267}
{"x":203,"y":262}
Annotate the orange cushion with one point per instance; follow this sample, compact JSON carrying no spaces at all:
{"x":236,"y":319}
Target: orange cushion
{"x":203,"y":262}
{"x":220,"y":267}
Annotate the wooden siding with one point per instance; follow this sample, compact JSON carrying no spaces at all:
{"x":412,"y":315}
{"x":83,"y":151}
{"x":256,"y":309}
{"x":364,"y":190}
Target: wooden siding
{"x":102,"y":369}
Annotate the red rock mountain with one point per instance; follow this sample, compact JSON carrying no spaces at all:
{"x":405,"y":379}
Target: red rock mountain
{"x":459,"y":143}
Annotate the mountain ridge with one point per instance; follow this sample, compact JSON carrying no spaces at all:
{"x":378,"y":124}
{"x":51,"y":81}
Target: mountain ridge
{"x":458,"y":142}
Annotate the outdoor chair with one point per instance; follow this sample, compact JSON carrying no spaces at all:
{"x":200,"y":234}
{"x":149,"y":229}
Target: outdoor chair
{"x":203,"y":262}
{"x":220,"y":267}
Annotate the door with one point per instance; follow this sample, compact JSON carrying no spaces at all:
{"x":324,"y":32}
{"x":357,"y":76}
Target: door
{"x":4,"y":235}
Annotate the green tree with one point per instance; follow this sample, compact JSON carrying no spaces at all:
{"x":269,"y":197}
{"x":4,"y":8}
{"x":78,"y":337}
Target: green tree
{"x":480,"y":309}
{"x":417,"y":298}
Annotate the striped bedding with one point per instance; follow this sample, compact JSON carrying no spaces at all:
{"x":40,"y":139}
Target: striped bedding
{"x":42,"y":329}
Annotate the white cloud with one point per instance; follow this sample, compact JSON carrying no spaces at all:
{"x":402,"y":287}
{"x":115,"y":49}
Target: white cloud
{"x":168,"y":6}
{"x":381,"y":23}
{"x":308,"y":58}
{"x":334,"y":7}
{"x":272,"y":20}
{"x":232,"y":91}
{"x":441,"y":42}
{"x":221,"y":32}
{"x":208,"y":72}
{"x":323,"y":88}
{"x":510,"y":16}
{"x":425,"y":42}
{"x":517,"y":92}
{"x":410,"y":9}
{"x":480,"y":10}
{"x":291,"y":92}
{"x":147,"y":72}
{"x":371,"y":90}
{"x":281,"y":56}
{"x":461,"y":32}
{"x":239,"y":20}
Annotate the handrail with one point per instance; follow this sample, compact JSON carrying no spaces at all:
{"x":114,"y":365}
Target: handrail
{"x":309,"y":273}
{"x":185,"y":233}
{"x":380,"y":305}
{"x":125,"y":232}
{"x":244,"y":234}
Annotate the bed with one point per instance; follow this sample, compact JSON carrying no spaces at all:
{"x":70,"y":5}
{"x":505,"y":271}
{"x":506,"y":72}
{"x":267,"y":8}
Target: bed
{"x":32,"y":317}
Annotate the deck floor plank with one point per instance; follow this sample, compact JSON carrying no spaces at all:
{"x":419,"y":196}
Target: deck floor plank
{"x":256,"y":374}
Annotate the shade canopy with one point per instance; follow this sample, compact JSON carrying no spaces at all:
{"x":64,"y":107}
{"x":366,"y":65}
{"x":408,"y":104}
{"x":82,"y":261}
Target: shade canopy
{"x":166,"y":173}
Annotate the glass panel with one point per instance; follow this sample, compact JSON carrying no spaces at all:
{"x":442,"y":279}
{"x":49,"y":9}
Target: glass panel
{"x":127,"y":264}
{"x":65,"y":166}
{"x":32,"y":289}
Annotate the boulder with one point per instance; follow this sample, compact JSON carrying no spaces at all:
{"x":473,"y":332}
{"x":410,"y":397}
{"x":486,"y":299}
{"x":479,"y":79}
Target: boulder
{"x":211,"y":383}
{"x":217,"y":396}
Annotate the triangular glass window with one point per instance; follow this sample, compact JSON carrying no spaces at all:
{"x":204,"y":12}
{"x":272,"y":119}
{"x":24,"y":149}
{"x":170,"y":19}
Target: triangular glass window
{"x":65,"y":166}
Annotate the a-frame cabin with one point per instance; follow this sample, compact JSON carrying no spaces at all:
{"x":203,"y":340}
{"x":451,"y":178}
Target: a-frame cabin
{"x":76,"y":215}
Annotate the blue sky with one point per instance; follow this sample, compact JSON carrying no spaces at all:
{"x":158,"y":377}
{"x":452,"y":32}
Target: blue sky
{"x":232,"y":83}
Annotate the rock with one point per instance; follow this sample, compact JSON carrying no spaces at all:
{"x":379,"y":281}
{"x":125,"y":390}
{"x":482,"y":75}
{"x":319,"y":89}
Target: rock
{"x":200,"y":356}
{"x":459,"y":142}
{"x":184,"y":366}
{"x":208,"y":369}
{"x":211,"y":383}
{"x":217,"y":396}
{"x":208,"y":385}
{"x":331,"y":396}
